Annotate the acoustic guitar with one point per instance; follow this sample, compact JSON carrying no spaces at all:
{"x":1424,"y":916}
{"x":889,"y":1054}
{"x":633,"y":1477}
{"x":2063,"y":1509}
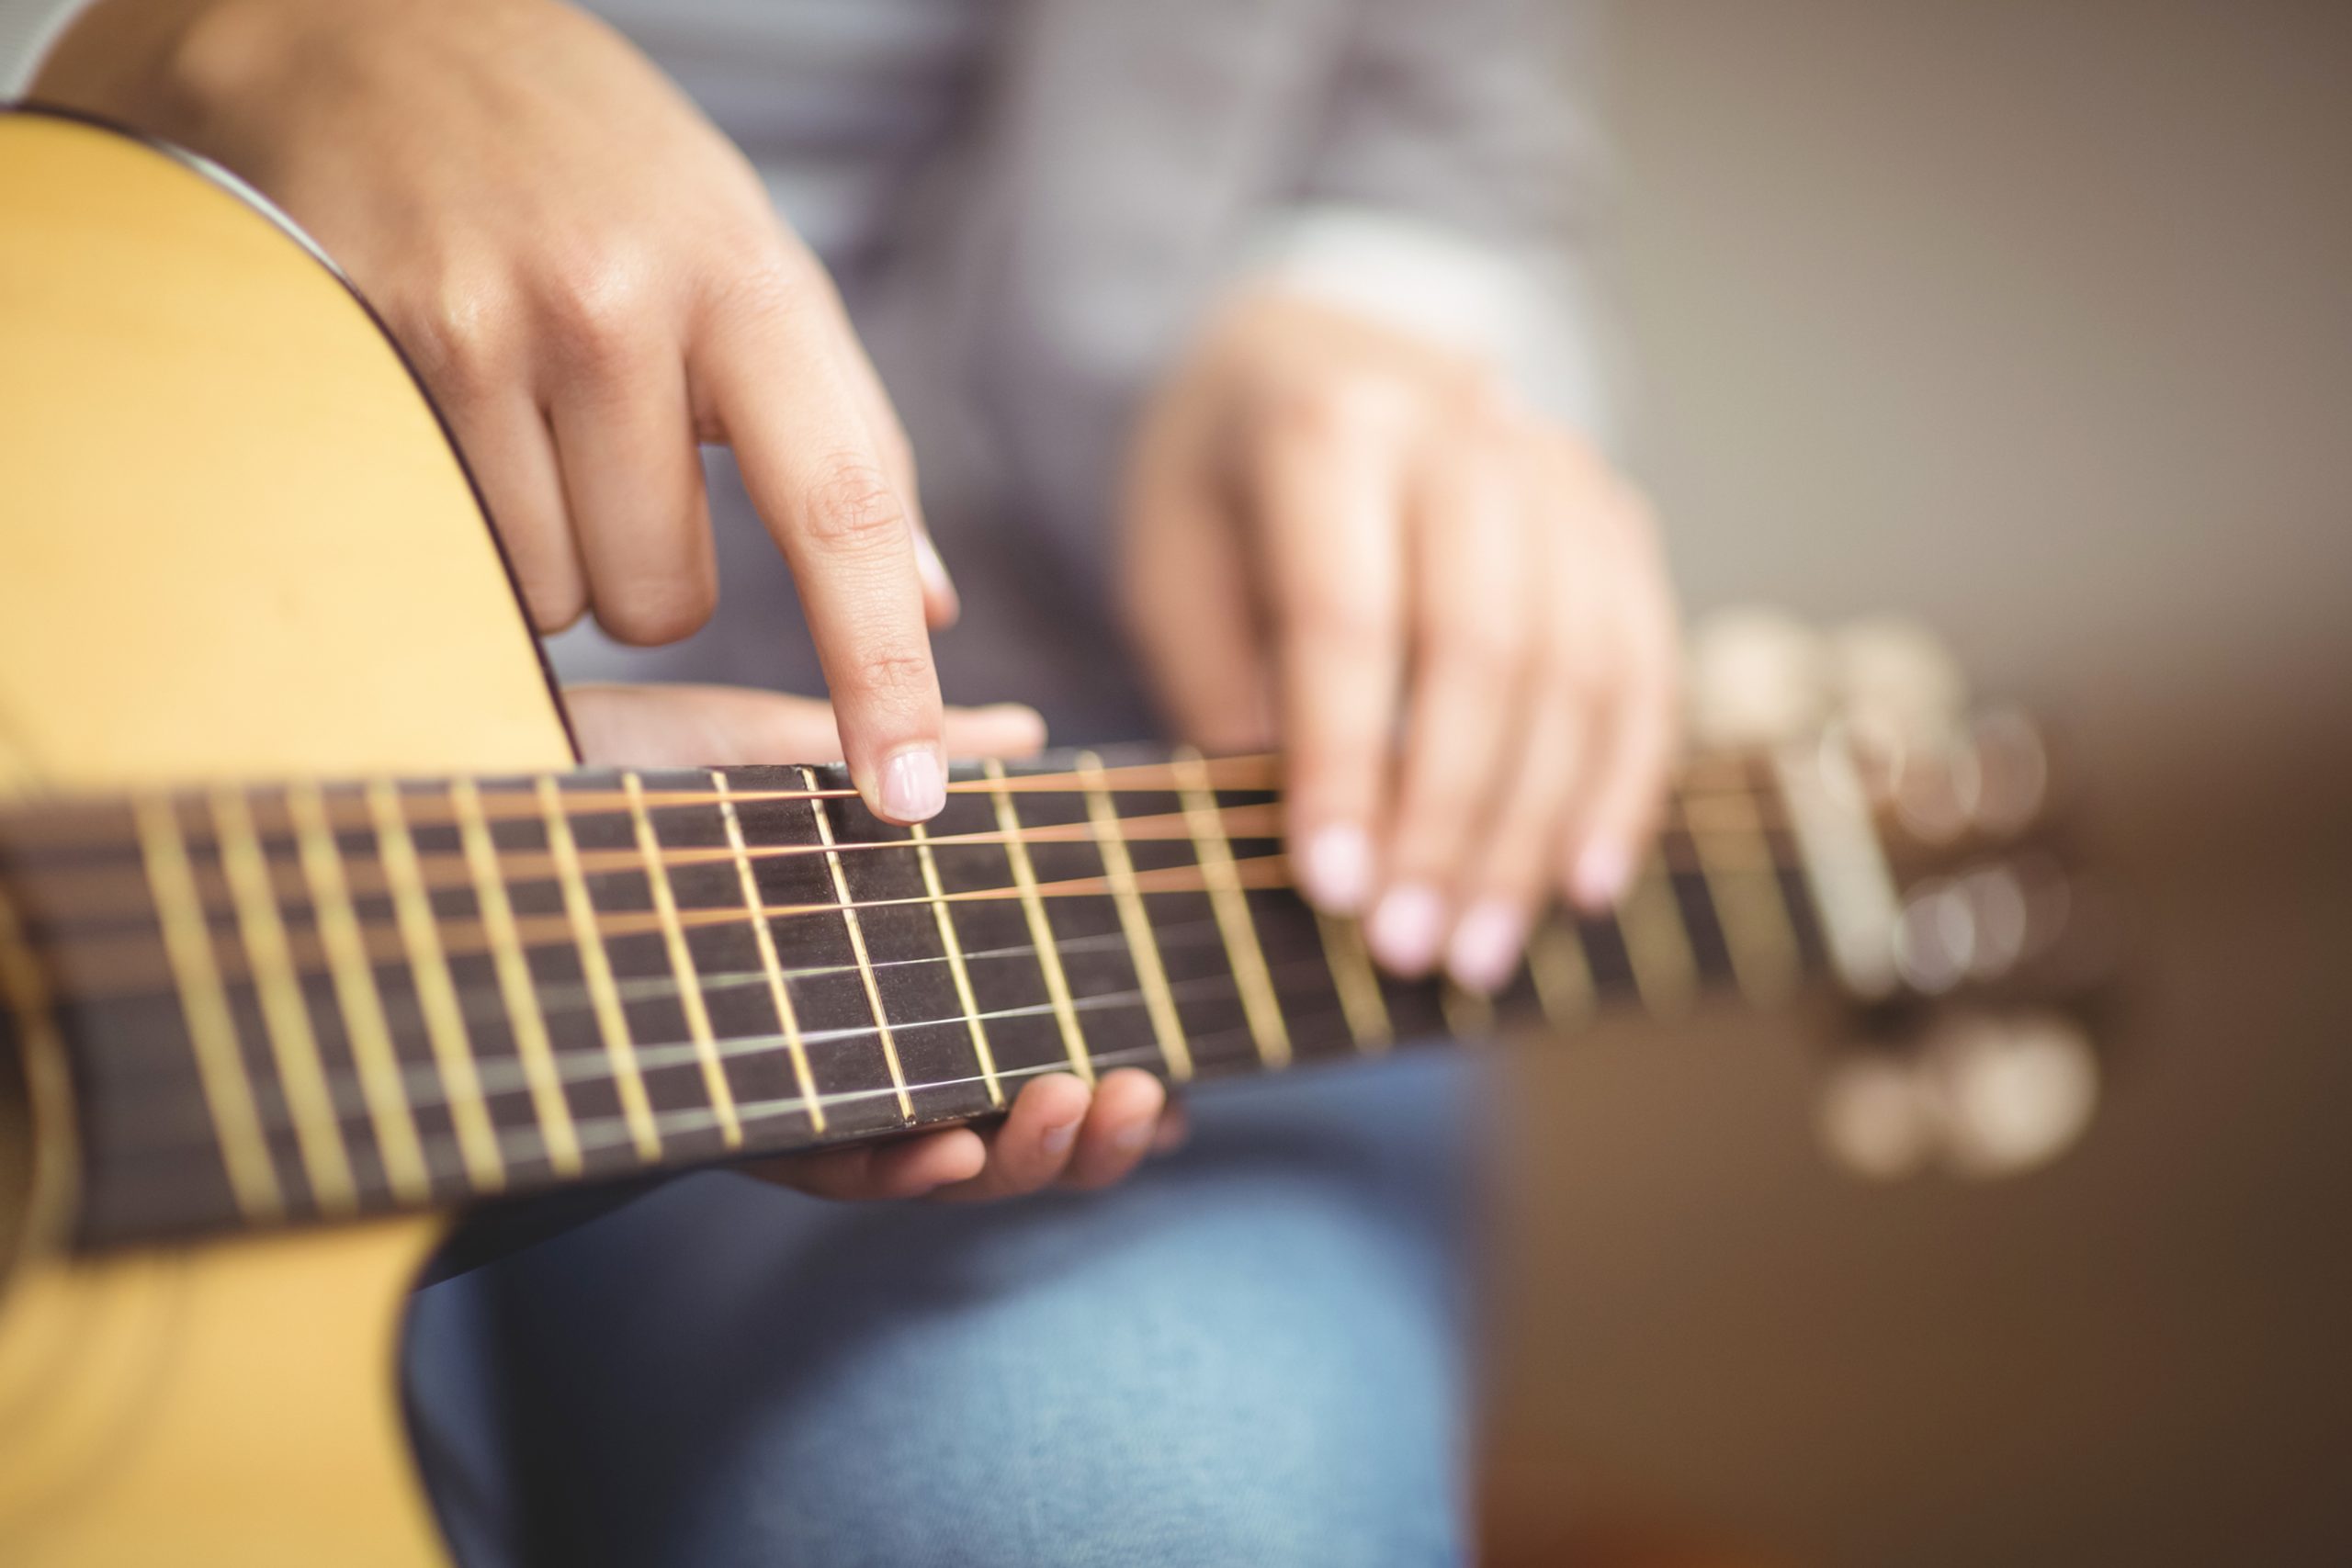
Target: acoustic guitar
{"x":312,"y":934}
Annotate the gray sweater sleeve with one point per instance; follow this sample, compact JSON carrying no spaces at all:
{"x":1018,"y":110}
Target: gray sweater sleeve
{"x":1457,"y":182}
{"x":27,"y":28}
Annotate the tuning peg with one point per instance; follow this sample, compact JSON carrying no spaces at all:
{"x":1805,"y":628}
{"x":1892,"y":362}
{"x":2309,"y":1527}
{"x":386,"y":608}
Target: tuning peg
{"x":2016,"y":1089}
{"x":2012,"y":770}
{"x":1756,"y":677}
{"x":1875,"y":1117}
{"x":1896,"y":683}
{"x":1982,"y":1094}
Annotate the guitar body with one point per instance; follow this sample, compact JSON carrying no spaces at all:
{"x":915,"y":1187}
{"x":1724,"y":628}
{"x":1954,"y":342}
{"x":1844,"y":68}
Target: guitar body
{"x":235,"y":544}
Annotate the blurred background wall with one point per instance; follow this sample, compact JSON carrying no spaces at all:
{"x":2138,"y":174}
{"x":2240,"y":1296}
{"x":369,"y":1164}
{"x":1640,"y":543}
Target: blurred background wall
{"x":2033,"y":320}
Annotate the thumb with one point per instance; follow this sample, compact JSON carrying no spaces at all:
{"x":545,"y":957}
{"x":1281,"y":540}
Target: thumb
{"x":688,"y":726}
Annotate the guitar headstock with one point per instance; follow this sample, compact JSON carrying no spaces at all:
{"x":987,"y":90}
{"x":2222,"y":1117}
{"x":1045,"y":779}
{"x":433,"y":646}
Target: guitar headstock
{"x":1957,"y":920}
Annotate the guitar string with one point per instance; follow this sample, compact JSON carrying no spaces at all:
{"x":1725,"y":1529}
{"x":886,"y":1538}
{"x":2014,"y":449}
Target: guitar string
{"x":1082,"y":887}
{"x":503,"y":1075}
{"x":423,"y":1087}
{"x":467,"y":936}
{"x":527,"y":868}
{"x":605,"y":1131}
{"x":518,"y":801}
{"x":511,"y":798}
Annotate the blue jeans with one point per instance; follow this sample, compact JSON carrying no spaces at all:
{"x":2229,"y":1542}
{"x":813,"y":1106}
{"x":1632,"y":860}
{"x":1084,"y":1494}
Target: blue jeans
{"x":1254,"y":1352}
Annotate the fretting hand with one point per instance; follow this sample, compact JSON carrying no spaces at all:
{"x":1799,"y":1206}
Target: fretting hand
{"x":1338,"y":536}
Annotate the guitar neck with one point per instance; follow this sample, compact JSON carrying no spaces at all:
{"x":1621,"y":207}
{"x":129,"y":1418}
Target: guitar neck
{"x":311,"y":1002}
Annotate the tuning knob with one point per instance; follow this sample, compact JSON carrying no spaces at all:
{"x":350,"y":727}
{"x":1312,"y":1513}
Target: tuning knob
{"x":1895,"y":681}
{"x":2017,"y":1089}
{"x":1874,"y":1118}
{"x":1756,"y":677}
{"x":1982,"y":1094}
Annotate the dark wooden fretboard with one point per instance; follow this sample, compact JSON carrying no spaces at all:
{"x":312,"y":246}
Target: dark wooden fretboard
{"x":309,"y":1002}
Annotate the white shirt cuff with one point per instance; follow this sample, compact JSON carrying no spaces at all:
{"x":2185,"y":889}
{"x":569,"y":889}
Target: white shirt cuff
{"x":1539,"y":331}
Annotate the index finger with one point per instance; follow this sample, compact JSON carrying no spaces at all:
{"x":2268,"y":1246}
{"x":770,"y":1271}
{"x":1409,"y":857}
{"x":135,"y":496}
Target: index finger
{"x":773,"y":361}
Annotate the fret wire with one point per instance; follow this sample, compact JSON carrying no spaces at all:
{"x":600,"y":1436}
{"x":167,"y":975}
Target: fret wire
{"x":1657,"y":946}
{"x":25,"y":993}
{"x":1469,"y":1015}
{"x":610,"y":1131}
{"x":1134,"y":1057}
{"x":1563,"y":974}
{"x":596,"y":972}
{"x":1358,"y":986}
{"x":952,"y":951}
{"x":682,"y":966}
{"x":857,"y":947}
{"x":436,"y":992}
{"x":1041,"y":932}
{"x":1843,"y":863}
{"x":285,"y":1018}
{"x":1214,"y":854}
{"x":1143,"y":947}
{"x":204,"y":1004}
{"x":525,"y":1018}
{"x":1743,"y":881}
{"x":368,"y":1031}
{"x":765,"y":940}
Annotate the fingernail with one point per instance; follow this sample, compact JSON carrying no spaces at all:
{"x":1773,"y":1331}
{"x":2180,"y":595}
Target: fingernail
{"x":1057,"y":1139}
{"x":914,"y":784}
{"x":932,"y":570}
{"x":1337,"y":869}
{"x":1601,"y":874}
{"x":1127,"y":1140}
{"x":1486,"y":945}
{"x":1404,"y":929}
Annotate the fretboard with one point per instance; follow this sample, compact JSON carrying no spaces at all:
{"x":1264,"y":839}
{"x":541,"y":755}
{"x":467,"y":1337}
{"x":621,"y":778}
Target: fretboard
{"x":311,"y":1002}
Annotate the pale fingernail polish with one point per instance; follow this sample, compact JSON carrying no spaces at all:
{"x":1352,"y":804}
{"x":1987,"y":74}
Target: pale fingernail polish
{"x":1129,"y":1139}
{"x":1601,"y":874}
{"x":1337,"y":869}
{"x":1058,"y":1140}
{"x":1404,"y":929}
{"x":914,"y":784}
{"x":1486,"y":946}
